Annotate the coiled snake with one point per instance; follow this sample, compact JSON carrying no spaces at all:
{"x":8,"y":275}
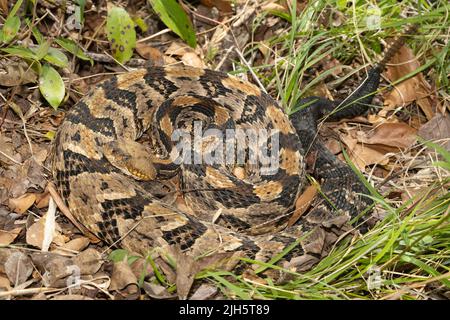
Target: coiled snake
{"x":233,"y":209}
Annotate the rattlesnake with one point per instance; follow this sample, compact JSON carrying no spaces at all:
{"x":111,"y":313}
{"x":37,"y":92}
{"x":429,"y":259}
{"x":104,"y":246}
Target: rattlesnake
{"x":232,"y":210}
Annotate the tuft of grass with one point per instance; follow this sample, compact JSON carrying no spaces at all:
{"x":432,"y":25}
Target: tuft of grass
{"x":406,"y":255}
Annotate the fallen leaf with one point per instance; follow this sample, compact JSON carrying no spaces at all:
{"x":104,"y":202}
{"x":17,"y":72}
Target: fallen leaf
{"x":18,"y":268}
{"x":157,"y":291}
{"x":77,"y":244}
{"x":188,"y":267}
{"x":23,"y":203}
{"x":15,"y":73}
{"x":57,"y":272}
{"x":396,"y":135}
{"x":4,"y":7}
{"x":364,"y":155}
{"x":303,"y":202}
{"x":123,"y":279}
{"x":224,"y":6}
{"x":42,"y":200}
{"x":8,"y":237}
{"x":4,"y":284}
{"x":89,"y":261}
{"x":193,"y":60}
{"x":42,"y":232}
{"x":150,"y":53}
{"x":204,"y":292}
{"x":436,"y":129}
{"x":178,"y":49}
{"x":141,"y":268}
{"x":414,"y":89}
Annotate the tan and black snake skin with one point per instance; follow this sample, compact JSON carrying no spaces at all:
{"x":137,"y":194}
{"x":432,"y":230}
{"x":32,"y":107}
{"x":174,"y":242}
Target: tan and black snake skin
{"x":234,"y":211}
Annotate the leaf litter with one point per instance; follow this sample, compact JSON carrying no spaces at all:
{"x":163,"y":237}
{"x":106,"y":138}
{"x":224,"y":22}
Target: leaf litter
{"x":44,"y":256}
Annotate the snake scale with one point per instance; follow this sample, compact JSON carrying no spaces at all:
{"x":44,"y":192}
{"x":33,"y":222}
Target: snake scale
{"x":231,"y":211}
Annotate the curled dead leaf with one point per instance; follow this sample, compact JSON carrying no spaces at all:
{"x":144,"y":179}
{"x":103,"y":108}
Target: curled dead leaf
{"x":123,"y":279}
{"x":22,"y":203}
{"x":413,"y":89}
{"x":150,"y":53}
{"x":8,"y":237}
{"x":364,"y":155}
{"x":438,"y":128}
{"x":193,"y":60}
{"x":303,"y":202}
{"x":396,"y":135}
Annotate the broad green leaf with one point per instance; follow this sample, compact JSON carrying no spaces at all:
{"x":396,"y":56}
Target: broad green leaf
{"x":118,"y":255}
{"x":51,"y":86}
{"x":174,"y":17}
{"x":10,"y":28}
{"x":21,"y":52}
{"x":121,"y":34}
{"x":42,"y":50}
{"x":12,"y":24}
{"x":73,"y":48}
{"x":56,"y":57}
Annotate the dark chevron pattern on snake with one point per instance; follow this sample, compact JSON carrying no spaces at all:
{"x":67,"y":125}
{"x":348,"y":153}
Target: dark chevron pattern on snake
{"x":232,"y":212}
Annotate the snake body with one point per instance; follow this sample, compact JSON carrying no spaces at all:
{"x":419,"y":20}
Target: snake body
{"x":230,"y":211}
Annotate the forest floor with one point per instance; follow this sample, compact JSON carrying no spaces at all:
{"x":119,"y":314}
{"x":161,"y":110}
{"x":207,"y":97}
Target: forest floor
{"x":292,"y":49}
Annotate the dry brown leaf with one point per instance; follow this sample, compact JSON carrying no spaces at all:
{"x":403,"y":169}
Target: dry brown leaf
{"x":169,"y":60}
{"x":77,"y":244}
{"x":178,"y":49}
{"x":89,"y":261}
{"x":188,"y":267}
{"x":8,"y":237}
{"x":41,"y":233}
{"x":5,"y":285}
{"x":150,"y":53}
{"x":193,"y":60}
{"x":18,"y":268}
{"x":436,"y":129}
{"x":15,"y":73}
{"x":363,"y":156}
{"x":272,"y":6}
{"x":414,"y":89}
{"x":396,"y":135}
{"x":57,"y":269}
{"x":224,"y":6}
{"x":204,"y":292}
{"x":23,"y":203}
{"x":42,"y":200}
{"x":157,"y":291}
{"x":141,"y":267}
{"x":303,"y":202}
{"x":123,"y":279}
{"x":250,"y":276}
